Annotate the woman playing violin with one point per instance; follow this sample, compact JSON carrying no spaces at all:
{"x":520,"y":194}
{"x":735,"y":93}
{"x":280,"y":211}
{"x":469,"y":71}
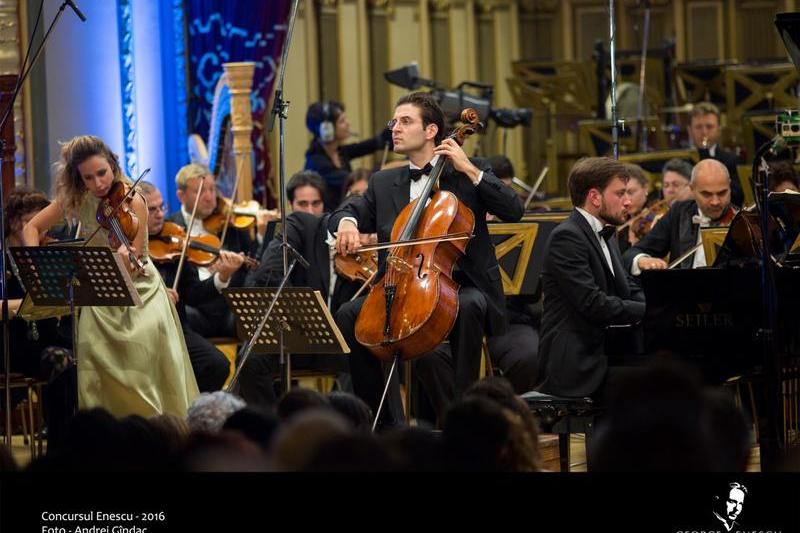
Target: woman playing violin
{"x":637,"y":190}
{"x":133,"y":359}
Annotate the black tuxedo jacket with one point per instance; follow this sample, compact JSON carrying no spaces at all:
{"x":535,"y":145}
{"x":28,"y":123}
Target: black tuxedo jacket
{"x":307,"y":234}
{"x":673,"y":234}
{"x":388,"y":193}
{"x":581,"y":297}
{"x":729,"y":160}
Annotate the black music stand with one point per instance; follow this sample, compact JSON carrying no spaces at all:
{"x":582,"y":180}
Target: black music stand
{"x":300,"y":314}
{"x":58,"y":276}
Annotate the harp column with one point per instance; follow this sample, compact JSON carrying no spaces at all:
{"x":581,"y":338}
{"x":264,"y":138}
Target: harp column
{"x":240,"y":81}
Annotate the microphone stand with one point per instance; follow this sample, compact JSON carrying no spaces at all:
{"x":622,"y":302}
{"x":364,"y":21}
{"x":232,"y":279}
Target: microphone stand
{"x":771,"y":443}
{"x":612,"y":34}
{"x":279,"y":110}
{"x":3,"y":281}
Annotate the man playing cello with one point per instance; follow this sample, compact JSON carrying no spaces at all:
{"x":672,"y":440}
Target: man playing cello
{"x":418,"y":132}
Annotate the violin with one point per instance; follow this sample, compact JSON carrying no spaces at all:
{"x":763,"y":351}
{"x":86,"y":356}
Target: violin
{"x":242,"y":215}
{"x":359,"y":267}
{"x":413,"y":307}
{"x":202,"y":250}
{"x":114,"y":213}
{"x":641,"y":224}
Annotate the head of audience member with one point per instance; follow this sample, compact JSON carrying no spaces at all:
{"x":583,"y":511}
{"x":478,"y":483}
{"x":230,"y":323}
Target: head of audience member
{"x":258,"y":425}
{"x":327,"y":122}
{"x":418,"y":125}
{"x":156,"y":207}
{"x":704,"y":126}
{"x":87,"y":166}
{"x":227,"y":451}
{"x":502,"y":168}
{"x":481,"y":436}
{"x":414,"y":449}
{"x":356,"y":183}
{"x":21,"y":206}
{"x":675,"y":178}
{"x":188,"y":181}
{"x":353,"y":409}
{"x":500,"y":391}
{"x":731,"y":435}
{"x":783,"y":177}
{"x":599,"y":185}
{"x":306,"y":192}
{"x":297,"y":400}
{"x":210,"y":410}
{"x":638,"y":188}
{"x":354,"y":452}
{"x":711,"y":187}
{"x":300,"y":437}
{"x":659,"y":419}
{"x":174,"y":431}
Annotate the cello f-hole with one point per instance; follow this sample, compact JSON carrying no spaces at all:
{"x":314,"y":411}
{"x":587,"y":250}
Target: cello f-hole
{"x":420,"y":262}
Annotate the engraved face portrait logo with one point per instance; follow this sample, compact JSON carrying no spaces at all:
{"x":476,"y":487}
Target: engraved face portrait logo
{"x":728,"y":505}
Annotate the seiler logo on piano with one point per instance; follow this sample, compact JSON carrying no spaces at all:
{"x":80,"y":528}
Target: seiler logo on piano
{"x":705,"y":318}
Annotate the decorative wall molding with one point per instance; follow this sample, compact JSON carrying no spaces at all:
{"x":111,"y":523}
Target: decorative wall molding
{"x":127,"y":84}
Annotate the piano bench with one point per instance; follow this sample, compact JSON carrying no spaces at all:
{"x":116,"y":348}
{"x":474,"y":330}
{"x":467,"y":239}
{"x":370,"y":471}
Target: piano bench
{"x":562,"y":416}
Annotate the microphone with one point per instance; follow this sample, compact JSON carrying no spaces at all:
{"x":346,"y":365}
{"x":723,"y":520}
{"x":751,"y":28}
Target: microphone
{"x":77,"y":11}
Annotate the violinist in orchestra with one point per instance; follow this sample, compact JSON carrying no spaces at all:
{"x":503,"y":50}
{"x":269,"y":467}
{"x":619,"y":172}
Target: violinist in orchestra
{"x":213,"y":318}
{"x":704,"y":133}
{"x":133,"y":360}
{"x":783,"y":177}
{"x":210,"y":365}
{"x":638,"y":190}
{"x":679,"y":230}
{"x":675,"y":177}
{"x":418,"y":132}
{"x":327,"y":153}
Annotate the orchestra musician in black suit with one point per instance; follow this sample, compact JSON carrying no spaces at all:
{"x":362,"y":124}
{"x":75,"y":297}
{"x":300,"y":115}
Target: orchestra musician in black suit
{"x":418,"y":132}
{"x":679,"y":230}
{"x":210,"y":318}
{"x":211,"y":367}
{"x":704,"y":131}
{"x":585,"y":287}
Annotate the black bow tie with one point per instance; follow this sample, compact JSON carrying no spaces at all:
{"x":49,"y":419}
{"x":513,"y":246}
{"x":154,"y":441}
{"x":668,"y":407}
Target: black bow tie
{"x":607,"y":232}
{"x":416,"y":173}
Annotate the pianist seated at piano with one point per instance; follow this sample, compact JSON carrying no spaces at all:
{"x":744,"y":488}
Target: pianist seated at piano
{"x":585,"y":287}
{"x":679,"y":230}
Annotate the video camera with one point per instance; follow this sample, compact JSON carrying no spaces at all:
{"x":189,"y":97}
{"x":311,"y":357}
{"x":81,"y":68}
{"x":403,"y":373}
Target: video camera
{"x":454,"y":101}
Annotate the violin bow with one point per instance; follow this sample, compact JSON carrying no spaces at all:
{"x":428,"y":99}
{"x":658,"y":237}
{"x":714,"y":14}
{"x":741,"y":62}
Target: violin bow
{"x":536,"y":186}
{"x":411,"y":242}
{"x":116,"y":208}
{"x":188,"y":236}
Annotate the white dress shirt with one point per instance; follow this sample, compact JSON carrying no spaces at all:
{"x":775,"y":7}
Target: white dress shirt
{"x":597,"y":225}
{"x":198,"y":230}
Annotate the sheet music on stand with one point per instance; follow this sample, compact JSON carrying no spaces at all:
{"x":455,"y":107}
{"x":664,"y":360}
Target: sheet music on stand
{"x":308,"y":327}
{"x":102,"y":279}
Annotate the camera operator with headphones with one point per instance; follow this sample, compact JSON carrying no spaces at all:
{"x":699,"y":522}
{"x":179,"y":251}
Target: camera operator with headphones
{"x":326,"y":152}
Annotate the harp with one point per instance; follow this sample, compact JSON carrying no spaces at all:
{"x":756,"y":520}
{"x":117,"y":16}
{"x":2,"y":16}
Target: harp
{"x":228,"y":153}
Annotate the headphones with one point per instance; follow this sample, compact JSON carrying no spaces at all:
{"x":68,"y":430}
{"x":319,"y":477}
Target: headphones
{"x":327,"y":129}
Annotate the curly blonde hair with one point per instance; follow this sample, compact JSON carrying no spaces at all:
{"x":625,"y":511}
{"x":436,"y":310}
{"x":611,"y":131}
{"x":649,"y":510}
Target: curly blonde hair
{"x":69,"y":188}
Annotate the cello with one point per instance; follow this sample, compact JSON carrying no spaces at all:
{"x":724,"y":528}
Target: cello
{"x":413,"y":308}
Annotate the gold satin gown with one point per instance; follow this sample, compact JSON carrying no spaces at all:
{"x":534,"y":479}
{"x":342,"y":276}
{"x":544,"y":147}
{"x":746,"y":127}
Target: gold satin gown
{"x":133,"y":360}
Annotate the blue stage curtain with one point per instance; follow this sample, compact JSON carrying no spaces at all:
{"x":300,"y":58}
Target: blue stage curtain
{"x":221,"y":31}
